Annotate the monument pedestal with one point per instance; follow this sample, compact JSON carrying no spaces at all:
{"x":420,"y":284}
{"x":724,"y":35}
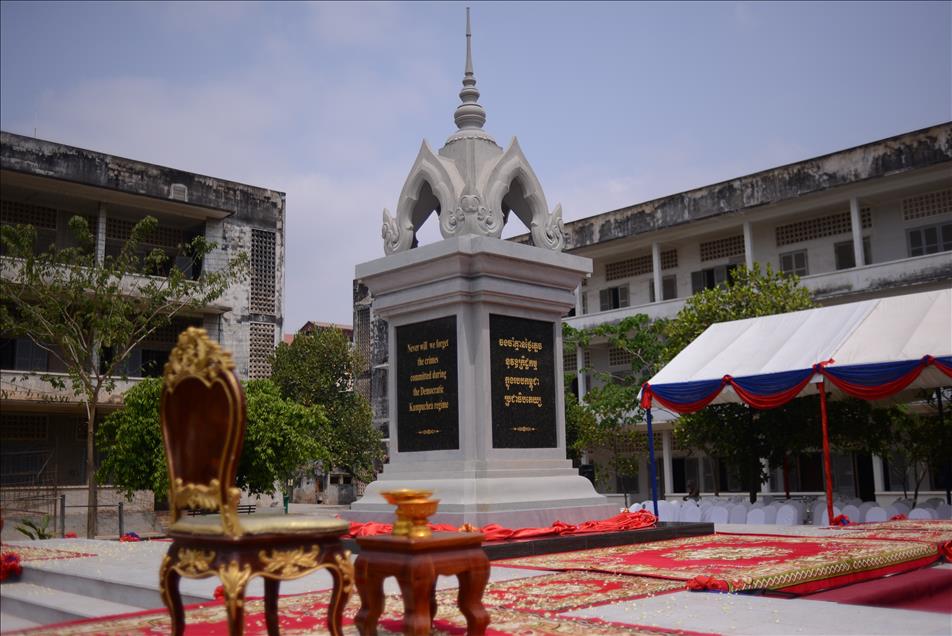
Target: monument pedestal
{"x":475,"y":383}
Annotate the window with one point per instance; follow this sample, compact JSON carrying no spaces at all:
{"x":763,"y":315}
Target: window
{"x":711,"y":278}
{"x":929,"y":204}
{"x":669,"y":288}
{"x":930,"y":239}
{"x":22,"y":354}
{"x":845,"y":257}
{"x":821,"y":226}
{"x":613,"y":298}
{"x":260,"y":350}
{"x":794,"y":263}
{"x":584,"y":303}
{"x":263,"y":287}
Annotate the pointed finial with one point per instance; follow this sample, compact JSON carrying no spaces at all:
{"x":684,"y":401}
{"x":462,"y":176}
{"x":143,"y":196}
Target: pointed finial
{"x":469,"y":114}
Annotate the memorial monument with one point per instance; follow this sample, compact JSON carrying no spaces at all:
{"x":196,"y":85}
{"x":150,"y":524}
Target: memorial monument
{"x":475,"y":380}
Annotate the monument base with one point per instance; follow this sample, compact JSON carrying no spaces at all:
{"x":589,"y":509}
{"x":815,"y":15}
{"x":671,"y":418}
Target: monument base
{"x":512,"y":502}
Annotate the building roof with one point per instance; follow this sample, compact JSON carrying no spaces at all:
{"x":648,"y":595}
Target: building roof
{"x":925,"y":148}
{"x":25,"y":160}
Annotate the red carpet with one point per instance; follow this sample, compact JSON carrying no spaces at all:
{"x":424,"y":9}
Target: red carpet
{"x":928,"y":590}
{"x":522,"y":607}
{"x":796,"y":565}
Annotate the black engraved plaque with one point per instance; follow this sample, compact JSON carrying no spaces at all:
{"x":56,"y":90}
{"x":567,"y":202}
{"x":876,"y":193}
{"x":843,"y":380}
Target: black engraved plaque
{"x":427,"y":386}
{"x":522,"y":367}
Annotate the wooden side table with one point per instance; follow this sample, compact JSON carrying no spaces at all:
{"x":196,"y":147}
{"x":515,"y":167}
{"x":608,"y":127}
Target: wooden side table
{"x":416,"y":563}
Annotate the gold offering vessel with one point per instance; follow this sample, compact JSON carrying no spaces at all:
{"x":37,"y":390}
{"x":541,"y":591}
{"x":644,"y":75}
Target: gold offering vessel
{"x":413,"y":509}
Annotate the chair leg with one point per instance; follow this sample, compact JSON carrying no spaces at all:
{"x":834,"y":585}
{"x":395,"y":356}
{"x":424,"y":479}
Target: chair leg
{"x":271,"y":591}
{"x":169,"y":587}
{"x":234,"y":582}
{"x":343,"y":578}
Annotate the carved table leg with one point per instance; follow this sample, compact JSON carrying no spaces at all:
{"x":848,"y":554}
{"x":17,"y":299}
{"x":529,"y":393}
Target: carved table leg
{"x":233,"y":581}
{"x":169,"y":587}
{"x":417,"y":585}
{"x":370,"y":588}
{"x":343,"y":577}
{"x":271,"y":593}
{"x":471,"y":586}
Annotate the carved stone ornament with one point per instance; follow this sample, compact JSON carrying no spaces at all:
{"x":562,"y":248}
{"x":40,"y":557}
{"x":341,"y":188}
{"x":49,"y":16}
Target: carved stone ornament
{"x":472,"y":184}
{"x":195,"y":354}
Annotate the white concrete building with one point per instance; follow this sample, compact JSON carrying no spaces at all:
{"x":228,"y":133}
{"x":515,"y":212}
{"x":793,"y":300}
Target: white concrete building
{"x":865,"y":222}
{"x":43,"y":430}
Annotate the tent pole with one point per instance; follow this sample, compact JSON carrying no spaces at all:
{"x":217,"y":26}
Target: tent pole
{"x":948,"y":462}
{"x":652,"y":467}
{"x":828,"y":473}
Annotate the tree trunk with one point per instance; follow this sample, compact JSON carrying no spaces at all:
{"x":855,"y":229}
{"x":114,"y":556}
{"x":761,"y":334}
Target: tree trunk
{"x":753,"y":476}
{"x":92,"y":498}
{"x":786,"y":476}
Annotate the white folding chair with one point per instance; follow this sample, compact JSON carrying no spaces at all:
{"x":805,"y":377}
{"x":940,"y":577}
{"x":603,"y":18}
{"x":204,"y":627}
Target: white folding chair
{"x":690,"y":512}
{"x":852,"y":512}
{"x":901,"y":507}
{"x":824,"y":516}
{"x":943,"y":511}
{"x":788,"y":515}
{"x":921,"y":513}
{"x":876,"y":514}
{"x":756,"y":516}
{"x":716,"y":514}
{"x":667,"y":512}
{"x":738,"y":514}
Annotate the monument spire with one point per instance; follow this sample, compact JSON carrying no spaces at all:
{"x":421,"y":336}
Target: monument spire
{"x":469,"y":114}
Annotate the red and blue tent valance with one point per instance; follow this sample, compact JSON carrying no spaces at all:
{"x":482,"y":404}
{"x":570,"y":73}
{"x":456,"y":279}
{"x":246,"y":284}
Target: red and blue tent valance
{"x":770,"y":390}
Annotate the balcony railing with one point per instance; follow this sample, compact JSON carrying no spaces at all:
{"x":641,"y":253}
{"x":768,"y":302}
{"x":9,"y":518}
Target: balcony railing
{"x":868,"y":278}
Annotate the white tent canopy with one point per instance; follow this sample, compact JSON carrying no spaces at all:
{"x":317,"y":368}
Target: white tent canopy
{"x":880,"y":330}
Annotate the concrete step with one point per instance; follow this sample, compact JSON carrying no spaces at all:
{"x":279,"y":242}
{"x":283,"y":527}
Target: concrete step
{"x":127,"y":593}
{"x":44,"y":605}
{"x":9,"y":623}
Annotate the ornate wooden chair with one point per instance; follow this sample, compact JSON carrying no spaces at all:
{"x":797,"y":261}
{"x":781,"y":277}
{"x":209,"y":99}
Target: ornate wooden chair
{"x":203,"y":423}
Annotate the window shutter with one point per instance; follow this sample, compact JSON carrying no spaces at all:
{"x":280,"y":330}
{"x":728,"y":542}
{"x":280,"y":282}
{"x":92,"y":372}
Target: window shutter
{"x":697,"y":282}
{"x":623,"y":296}
{"x":651,"y":296}
{"x":605,"y":299}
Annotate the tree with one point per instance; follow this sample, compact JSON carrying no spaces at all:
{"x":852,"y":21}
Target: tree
{"x":280,"y":436}
{"x":319,"y":369}
{"x":607,"y":418}
{"x":89,"y":310}
{"x":731,"y":432}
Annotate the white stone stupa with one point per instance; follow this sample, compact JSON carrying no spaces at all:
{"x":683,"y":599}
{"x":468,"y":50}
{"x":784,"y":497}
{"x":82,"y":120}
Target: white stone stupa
{"x":475,"y":382}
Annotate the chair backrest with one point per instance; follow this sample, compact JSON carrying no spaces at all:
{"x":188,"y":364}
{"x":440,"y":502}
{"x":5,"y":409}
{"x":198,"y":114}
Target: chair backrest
{"x":920,"y":513}
{"x":690,"y":512}
{"x":876,"y":514}
{"x":901,"y":507}
{"x":756,"y":515}
{"x":202,"y":411}
{"x":738,"y":514}
{"x":853,"y":513}
{"x":666,"y":512}
{"x":788,"y":515}
{"x":716,"y":514}
{"x":770,"y":514}
{"x":825,"y":518}
{"x":943,"y":511}
{"x":864,"y":508}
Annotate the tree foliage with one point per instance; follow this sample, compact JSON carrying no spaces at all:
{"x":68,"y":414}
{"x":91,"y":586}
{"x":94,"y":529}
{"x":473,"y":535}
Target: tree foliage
{"x":607,"y":417}
{"x":281,"y":435}
{"x":320,"y":369}
{"x":90,"y":310}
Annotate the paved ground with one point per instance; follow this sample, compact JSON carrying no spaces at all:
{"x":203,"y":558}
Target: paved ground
{"x":136,"y":565}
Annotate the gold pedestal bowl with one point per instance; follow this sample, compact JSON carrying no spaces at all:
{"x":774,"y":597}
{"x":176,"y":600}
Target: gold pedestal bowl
{"x":413,"y":509}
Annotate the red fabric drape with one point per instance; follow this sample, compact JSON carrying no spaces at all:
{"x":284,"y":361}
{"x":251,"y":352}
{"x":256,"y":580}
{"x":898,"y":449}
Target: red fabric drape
{"x":495,"y":532}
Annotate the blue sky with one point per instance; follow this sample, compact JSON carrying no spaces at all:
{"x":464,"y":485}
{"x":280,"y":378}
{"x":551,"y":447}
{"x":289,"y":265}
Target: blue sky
{"x":613,"y":103}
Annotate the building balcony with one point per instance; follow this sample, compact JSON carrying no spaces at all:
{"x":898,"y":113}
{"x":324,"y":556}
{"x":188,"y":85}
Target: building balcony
{"x":28,"y":389}
{"x":880,"y":278}
{"x":887,"y":278}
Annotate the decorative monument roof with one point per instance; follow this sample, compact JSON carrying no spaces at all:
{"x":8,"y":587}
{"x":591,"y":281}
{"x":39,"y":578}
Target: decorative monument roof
{"x":472,"y":183}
